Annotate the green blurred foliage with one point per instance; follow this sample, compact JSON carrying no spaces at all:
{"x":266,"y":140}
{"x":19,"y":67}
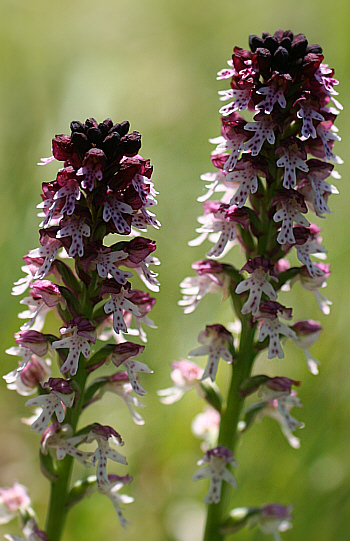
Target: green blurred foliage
{"x":154,"y":63}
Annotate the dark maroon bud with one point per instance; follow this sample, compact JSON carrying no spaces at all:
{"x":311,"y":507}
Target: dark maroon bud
{"x":315,"y":49}
{"x":281,"y":58}
{"x":131,"y":143}
{"x":271,"y":44}
{"x":95,"y":136}
{"x":288,"y":34}
{"x":278,"y":35}
{"x":110,"y":286}
{"x":59,"y":385}
{"x":105,"y":126}
{"x":132,"y":198}
{"x":299,"y":47}
{"x":124,"y":128}
{"x":111,"y":144}
{"x":255,"y":42}
{"x":286,"y":44}
{"x":121,"y":128}
{"x":91,"y":123}
{"x":75,"y":125}
{"x":80,"y":142}
{"x":264,"y":61}
{"x":62,"y":147}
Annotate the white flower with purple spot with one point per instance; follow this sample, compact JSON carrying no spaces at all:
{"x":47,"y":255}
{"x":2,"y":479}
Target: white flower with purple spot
{"x":241,"y":96}
{"x":112,"y":492}
{"x":102,"y":435}
{"x":125,"y":353}
{"x":60,"y":438}
{"x":49,"y":252}
{"x":106,"y":264}
{"x":311,"y":248}
{"x":257,"y":284}
{"x":307,"y":332}
{"x":120,"y":385}
{"x":71,"y":193}
{"x":77,"y":229}
{"x":291,"y":160}
{"x":328,"y":134}
{"x":272,"y":519}
{"x":225,"y":73}
{"x":307,"y":113}
{"x":81,"y":334}
{"x":272,"y":327}
{"x":116,"y":304}
{"x":114,"y":209}
{"x":274,"y":94}
{"x":216,"y":341}
{"x":289,"y":213}
{"x":61,"y":394}
{"x":248,"y":183}
{"x":264,"y":131}
{"x":216,"y":471}
{"x":211,"y":278}
{"x":315,"y":283}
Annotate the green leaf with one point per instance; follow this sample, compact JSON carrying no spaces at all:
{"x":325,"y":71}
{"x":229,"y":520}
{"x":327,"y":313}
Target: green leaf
{"x":285,"y":276}
{"x":72,"y":301}
{"x":233,"y":273}
{"x":238,"y":518}
{"x":99,"y":357}
{"x":47,"y":467}
{"x":250,"y":385}
{"x":79,"y":490}
{"x":212,"y":395}
{"x":93,"y":389}
{"x":255,"y":224}
{"x":98,"y":313}
{"x":68,"y":276}
{"x":251,"y":413}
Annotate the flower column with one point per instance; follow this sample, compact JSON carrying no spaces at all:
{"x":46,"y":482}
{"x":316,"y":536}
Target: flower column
{"x":104,"y":188}
{"x":271,"y":171}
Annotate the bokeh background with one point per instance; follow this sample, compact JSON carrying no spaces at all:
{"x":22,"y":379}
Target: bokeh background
{"x":154,"y":63}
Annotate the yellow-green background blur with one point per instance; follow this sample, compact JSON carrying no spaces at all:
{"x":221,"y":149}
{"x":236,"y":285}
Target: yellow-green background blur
{"x":154,"y":63}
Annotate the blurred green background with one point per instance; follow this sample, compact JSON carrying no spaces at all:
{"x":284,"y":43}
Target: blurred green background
{"x":154,"y":63}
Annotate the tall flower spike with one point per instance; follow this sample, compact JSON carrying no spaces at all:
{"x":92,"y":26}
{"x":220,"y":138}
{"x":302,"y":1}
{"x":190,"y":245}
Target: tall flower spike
{"x":272,"y":168}
{"x":103,"y":188}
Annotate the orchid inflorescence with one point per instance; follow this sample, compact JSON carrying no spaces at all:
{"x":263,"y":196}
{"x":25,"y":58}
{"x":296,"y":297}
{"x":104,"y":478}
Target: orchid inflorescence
{"x":82,"y":272}
{"x":271,"y":171}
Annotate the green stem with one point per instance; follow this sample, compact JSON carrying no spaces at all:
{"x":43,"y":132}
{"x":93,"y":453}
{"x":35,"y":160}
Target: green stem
{"x":228,"y":434}
{"x":57,"y":509}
